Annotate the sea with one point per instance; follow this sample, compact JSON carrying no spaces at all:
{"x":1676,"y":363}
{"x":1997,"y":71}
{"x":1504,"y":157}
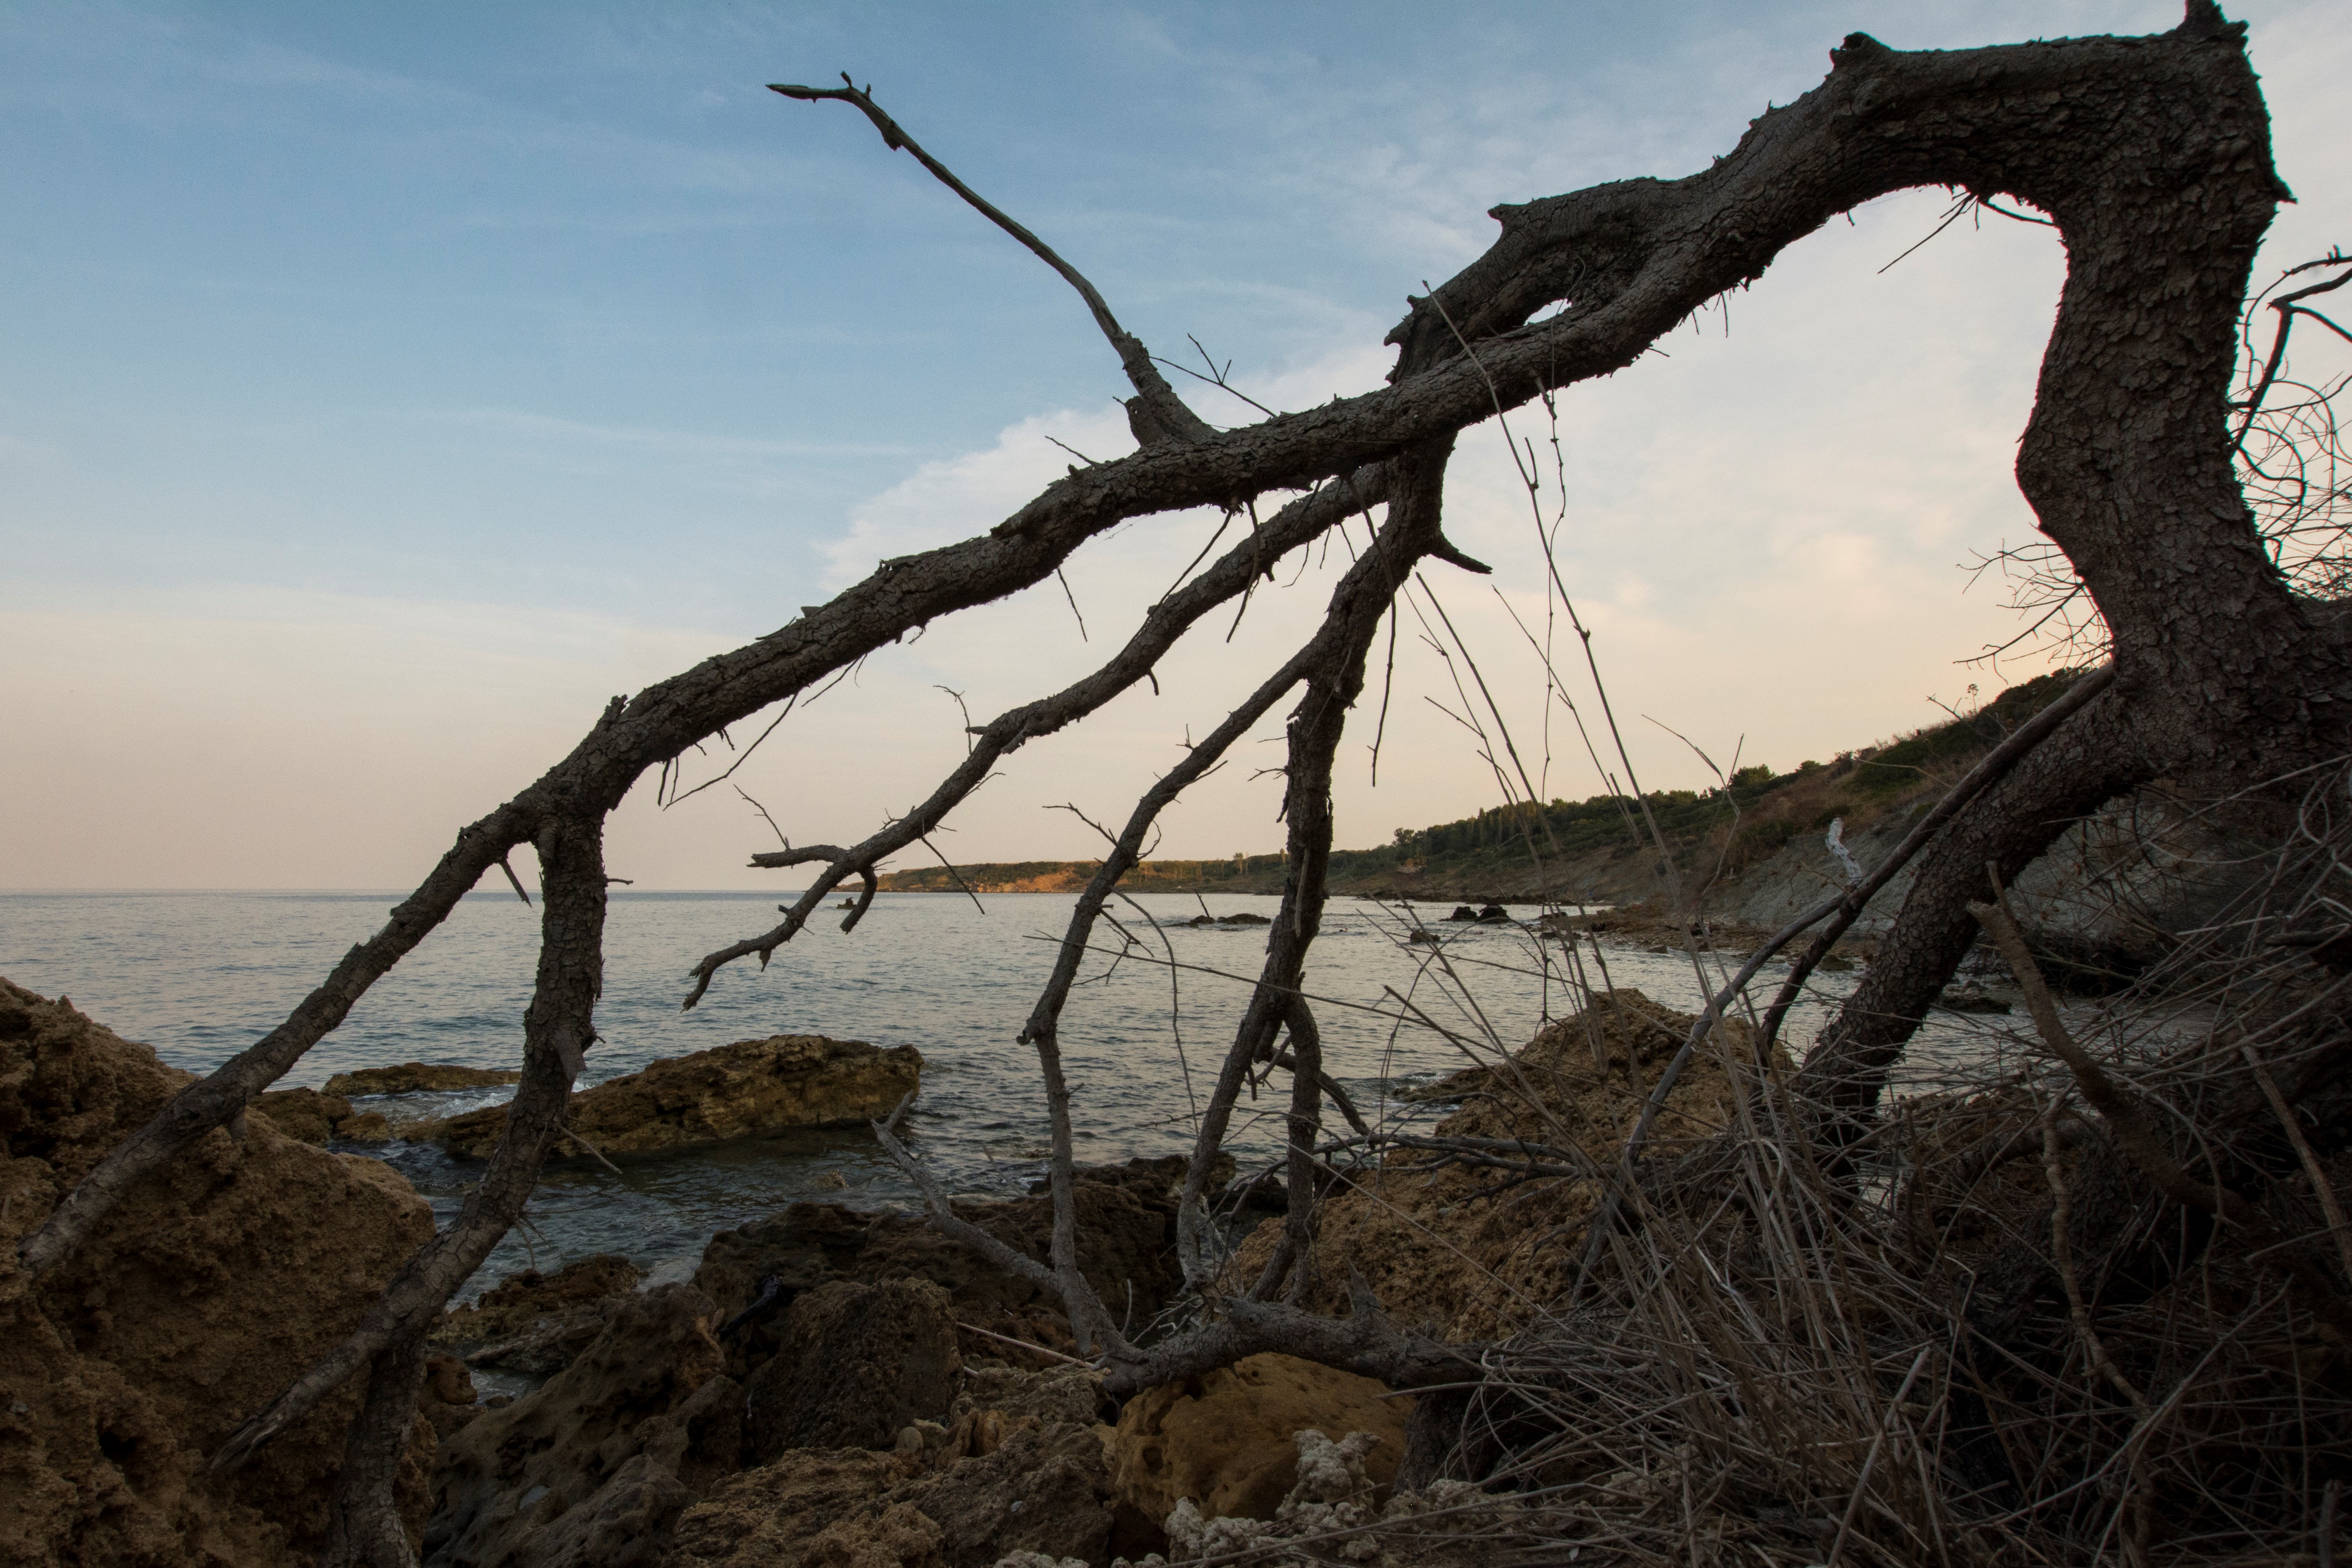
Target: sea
{"x":200,"y":975}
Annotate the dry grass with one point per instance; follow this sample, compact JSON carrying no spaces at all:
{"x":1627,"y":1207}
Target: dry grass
{"x":1903,"y":1365}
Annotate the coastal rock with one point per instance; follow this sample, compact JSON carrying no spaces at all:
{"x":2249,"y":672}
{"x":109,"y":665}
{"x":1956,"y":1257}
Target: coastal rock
{"x":1436,"y":1246}
{"x":213,"y":1284}
{"x":1227,"y":1439}
{"x":449,"y":1399}
{"x":1059,"y":1393}
{"x":857,"y":1363}
{"x":414,"y":1078}
{"x":1045,"y":1490}
{"x":304,"y":1113}
{"x":1970,"y":998}
{"x":712,"y":1097}
{"x":536,"y":1323}
{"x":367,"y":1127}
{"x":650,"y":1388}
{"x":1127,"y":1248}
{"x":811,"y":1507}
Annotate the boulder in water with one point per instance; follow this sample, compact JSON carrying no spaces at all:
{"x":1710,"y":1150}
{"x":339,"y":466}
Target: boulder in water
{"x":1463,"y":912}
{"x":714,"y":1097}
{"x":417,"y":1078}
{"x":1966,"y":997}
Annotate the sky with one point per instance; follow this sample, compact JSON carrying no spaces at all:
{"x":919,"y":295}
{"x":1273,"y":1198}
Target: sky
{"x":386,"y":388}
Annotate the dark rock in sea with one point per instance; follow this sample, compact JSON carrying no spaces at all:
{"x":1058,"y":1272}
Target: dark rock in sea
{"x":1246,"y":920}
{"x":1463,"y":912}
{"x":594,"y":1468}
{"x":1967,"y":998}
{"x":855,"y":1364}
{"x":1493,"y":915}
{"x":417,"y":1078}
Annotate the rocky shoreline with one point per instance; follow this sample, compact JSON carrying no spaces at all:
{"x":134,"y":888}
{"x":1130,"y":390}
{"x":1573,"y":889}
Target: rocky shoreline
{"x":831,"y":1386}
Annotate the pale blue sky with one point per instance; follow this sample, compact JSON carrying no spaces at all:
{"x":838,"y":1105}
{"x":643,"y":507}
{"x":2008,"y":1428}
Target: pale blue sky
{"x":384,"y":385}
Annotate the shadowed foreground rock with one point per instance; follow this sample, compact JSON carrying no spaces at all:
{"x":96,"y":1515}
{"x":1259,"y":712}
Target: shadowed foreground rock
{"x":596,"y":1465}
{"x":536,"y":1323}
{"x":1044,"y":1490}
{"x":1127,"y":1246}
{"x":210,"y":1287}
{"x":857,"y":1364}
{"x":713,"y":1097}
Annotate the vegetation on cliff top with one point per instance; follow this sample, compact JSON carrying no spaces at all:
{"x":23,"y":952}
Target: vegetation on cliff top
{"x":1592,"y":847}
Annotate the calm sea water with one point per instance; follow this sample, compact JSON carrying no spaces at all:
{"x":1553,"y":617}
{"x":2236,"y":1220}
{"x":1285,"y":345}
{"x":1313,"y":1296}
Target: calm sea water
{"x":200,"y":975}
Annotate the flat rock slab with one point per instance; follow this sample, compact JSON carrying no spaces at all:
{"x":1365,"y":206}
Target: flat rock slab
{"x":741,"y":1090}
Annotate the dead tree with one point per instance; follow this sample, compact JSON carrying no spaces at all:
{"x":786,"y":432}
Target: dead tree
{"x":2151,"y":157}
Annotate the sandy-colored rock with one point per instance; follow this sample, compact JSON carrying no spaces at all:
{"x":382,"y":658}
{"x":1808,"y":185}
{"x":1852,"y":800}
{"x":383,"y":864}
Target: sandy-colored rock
{"x":1434,"y":1248}
{"x":537,"y":1323}
{"x":304,"y":1113}
{"x":650,"y":1388}
{"x":713,"y":1097}
{"x":1228,"y":1439}
{"x":414,"y":1078}
{"x":210,"y":1287}
{"x":856,"y":1364}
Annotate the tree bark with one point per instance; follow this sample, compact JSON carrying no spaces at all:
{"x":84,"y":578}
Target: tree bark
{"x":2224,"y":677}
{"x":365,"y":1529}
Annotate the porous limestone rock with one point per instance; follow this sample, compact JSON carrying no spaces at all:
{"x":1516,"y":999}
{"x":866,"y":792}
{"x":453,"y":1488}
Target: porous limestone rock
{"x":623,"y":1438}
{"x":449,"y":1399}
{"x":1043,"y":1492}
{"x":536,"y":1323}
{"x":1228,"y":1439}
{"x":213,"y":1285}
{"x":1127,"y":1248}
{"x":304,"y":1113}
{"x":712,"y":1097}
{"x":416,"y":1078}
{"x":855,"y":1364}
